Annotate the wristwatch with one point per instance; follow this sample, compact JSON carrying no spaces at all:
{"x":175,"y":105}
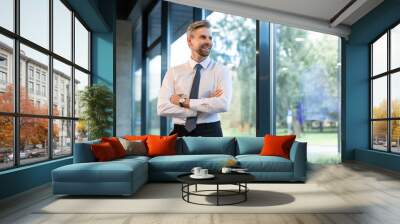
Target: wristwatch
{"x":181,"y":101}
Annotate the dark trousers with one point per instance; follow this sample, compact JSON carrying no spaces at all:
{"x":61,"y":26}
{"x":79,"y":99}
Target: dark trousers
{"x":206,"y":130}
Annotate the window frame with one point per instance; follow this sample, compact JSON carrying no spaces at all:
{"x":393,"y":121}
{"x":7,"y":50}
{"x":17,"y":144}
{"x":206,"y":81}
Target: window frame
{"x":16,"y":114}
{"x":388,"y":74}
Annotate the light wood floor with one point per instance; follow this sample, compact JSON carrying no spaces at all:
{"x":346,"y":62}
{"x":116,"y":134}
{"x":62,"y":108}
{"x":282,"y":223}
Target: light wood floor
{"x":377,"y":188}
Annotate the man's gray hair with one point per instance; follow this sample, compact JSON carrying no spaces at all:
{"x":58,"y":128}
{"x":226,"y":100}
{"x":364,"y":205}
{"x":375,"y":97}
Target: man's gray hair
{"x":196,"y":25}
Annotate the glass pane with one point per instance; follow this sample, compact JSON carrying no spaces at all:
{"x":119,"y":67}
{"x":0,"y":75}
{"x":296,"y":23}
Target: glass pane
{"x":137,"y":67}
{"x":62,"y":89}
{"x":33,"y":139}
{"x":34,"y":81}
{"x":6,"y":142}
{"x":62,"y":29}
{"x":395,"y":138}
{"x":81,"y":81}
{"x":154,"y":84}
{"x":81,"y":131}
{"x":379,"y":135}
{"x":81,"y":45}
{"x":138,"y":102}
{"x":240,"y":120}
{"x":303,"y":59}
{"x":395,"y":47}
{"x":180,"y":51}
{"x":6,"y":74}
{"x":379,"y":56}
{"x":154,"y":24}
{"x":181,"y":17}
{"x":395,"y":95}
{"x":379,"y":98}
{"x":62,"y":138}
{"x":35,"y":21}
{"x":7,"y":14}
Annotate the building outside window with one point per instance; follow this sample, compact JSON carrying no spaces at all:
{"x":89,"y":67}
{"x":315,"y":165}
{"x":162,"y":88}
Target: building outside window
{"x":34,"y":79}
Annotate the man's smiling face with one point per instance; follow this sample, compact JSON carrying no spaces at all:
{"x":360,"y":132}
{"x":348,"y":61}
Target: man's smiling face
{"x":200,"y":41}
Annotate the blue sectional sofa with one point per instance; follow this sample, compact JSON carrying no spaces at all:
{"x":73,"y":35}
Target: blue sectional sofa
{"x":125,"y":176}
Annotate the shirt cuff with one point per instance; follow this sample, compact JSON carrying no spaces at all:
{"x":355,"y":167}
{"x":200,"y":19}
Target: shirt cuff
{"x":194,"y":104}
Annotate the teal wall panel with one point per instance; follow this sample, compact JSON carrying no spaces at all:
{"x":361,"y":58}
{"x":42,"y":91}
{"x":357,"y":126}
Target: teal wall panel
{"x":356,"y":78}
{"x":24,"y":178}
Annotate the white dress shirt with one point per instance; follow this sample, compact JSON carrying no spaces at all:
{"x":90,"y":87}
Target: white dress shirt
{"x":179,"y":79}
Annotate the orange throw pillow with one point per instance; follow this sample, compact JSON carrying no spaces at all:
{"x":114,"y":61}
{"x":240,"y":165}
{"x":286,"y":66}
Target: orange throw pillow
{"x":103,"y":151}
{"x":161,"y":145}
{"x":135,"y":138}
{"x":116,"y":145}
{"x":277,"y":145}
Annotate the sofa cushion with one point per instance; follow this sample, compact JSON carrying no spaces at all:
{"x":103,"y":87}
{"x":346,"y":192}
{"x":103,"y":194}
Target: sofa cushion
{"x":161,"y":145}
{"x":116,"y":145}
{"x":111,"y":171}
{"x":277,"y":145}
{"x":185,"y":163}
{"x":103,"y":151}
{"x":135,"y":138}
{"x":83,"y":152}
{"x":206,"y":145}
{"x":257,"y":163}
{"x":249,"y":145}
{"x":132,"y":159}
{"x":136,"y":147}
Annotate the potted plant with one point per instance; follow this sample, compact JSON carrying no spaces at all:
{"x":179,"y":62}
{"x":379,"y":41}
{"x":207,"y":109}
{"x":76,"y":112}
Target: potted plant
{"x":96,"y":102}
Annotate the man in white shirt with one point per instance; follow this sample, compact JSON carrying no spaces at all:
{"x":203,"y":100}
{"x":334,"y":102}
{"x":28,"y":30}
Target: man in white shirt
{"x":195,"y":92}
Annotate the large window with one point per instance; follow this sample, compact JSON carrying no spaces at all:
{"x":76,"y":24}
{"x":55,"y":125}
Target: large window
{"x":48,"y":81}
{"x":237,"y":51}
{"x":290,"y":61}
{"x":385,"y":94}
{"x":307,"y":71}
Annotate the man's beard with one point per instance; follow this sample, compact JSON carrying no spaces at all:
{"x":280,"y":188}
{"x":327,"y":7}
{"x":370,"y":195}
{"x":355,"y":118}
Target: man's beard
{"x":202,"y":52}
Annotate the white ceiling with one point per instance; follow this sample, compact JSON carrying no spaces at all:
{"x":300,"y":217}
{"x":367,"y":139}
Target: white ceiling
{"x":322,"y":9}
{"x":315,"y":15}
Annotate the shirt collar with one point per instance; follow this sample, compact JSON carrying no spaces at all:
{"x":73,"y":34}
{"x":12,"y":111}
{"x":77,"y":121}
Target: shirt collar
{"x":204,"y":63}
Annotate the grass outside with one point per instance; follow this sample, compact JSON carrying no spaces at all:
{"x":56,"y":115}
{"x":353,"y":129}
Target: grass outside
{"x":315,"y":138}
{"x":312,"y":138}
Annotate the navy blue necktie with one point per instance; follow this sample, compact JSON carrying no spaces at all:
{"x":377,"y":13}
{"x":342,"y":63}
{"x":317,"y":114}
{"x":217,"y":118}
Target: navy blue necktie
{"x":190,"y":124}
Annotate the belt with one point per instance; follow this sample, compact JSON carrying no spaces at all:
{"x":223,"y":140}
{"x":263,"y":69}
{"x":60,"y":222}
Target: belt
{"x":202,"y":124}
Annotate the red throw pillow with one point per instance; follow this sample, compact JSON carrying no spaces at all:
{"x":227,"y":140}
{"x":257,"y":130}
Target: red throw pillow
{"x":161,"y":145}
{"x":116,"y":145}
{"x":103,"y":151}
{"x":277,"y":145}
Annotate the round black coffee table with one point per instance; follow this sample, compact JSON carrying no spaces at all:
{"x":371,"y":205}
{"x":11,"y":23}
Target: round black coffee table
{"x":238,"y":179}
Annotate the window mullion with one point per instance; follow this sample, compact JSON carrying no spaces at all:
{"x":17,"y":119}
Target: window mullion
{"x":50,"y":82}
{"x":16,"y":70}
{"x":389,"y":113}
